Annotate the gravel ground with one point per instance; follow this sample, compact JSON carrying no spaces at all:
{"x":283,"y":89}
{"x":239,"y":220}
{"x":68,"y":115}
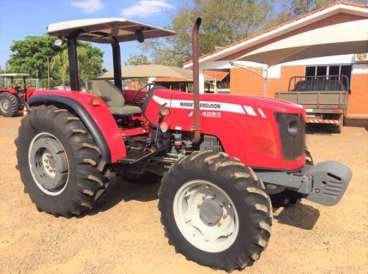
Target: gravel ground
{"x":125,"y":234}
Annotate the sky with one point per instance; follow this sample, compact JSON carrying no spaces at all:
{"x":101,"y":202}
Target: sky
{"x":20,"y":18}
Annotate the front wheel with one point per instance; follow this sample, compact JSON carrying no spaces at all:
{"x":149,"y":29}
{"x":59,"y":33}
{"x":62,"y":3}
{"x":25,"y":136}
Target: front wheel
{"x":215,"y":211}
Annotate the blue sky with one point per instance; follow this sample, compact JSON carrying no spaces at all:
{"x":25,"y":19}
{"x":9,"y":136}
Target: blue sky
{"x":20,"y":18}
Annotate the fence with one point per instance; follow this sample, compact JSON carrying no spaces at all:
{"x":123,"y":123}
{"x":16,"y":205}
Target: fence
{"x":55,"y":84}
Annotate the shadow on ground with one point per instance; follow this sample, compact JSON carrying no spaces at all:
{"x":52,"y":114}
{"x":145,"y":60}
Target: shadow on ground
{"x":121,"y":190}
{"x":300,"y":215}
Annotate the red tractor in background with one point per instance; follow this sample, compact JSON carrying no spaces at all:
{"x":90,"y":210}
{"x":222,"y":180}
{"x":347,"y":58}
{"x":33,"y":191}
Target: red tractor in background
{"x":221,"y":157}
{"x":13,"y":93}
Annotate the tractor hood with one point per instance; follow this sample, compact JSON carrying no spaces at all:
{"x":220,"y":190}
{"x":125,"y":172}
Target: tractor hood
{"x":228,"y":102}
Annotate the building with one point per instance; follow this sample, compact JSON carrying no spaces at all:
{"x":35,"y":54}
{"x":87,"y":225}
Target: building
{"x":250,"y":78}
{"x":216,"y":81}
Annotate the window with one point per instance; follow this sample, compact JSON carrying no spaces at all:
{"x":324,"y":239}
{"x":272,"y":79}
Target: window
{"x":346,"y":71}
{"x":322,"y":71}
{"x":334,"y":71}
{"x":310,"y":71}
{"x":340,"y":72}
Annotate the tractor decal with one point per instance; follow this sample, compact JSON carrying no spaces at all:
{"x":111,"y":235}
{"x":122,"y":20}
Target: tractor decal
{"x":208,"y":105}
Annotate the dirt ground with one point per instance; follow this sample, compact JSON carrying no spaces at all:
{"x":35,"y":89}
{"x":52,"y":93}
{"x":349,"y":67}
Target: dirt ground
{"x":125,"y":234}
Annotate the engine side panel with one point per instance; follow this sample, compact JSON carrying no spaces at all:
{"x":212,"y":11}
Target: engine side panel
{"x":246,"y":126}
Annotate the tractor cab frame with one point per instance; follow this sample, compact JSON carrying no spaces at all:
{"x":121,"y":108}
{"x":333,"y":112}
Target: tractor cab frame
{"x":107,"y":31}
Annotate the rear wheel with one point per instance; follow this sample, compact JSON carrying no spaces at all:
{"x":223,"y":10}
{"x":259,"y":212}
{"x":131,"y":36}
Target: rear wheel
{"x":59,"y":162}
{"x":215,"y":211}
{"x":9,"y":104}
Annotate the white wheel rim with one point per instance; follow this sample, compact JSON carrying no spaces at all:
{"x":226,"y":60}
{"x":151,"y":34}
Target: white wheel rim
{"x":49,"y":167}
{"x":206,"y":216}
{"x":4,"y":105}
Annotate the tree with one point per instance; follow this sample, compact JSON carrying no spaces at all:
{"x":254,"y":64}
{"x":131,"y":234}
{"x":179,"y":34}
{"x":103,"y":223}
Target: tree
{"x":138,"y":59}
{"x":90,"y":61}
{"x":32,"y":54}
{"x":224,"y":21}
{"x":292,"y":8}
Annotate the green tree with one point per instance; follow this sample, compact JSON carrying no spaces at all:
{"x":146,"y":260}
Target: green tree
{"x":137,"y":59}
{"x":292,"y":8}
{"x":31,"y":56}
{"x":224,"y":21}
{"x":90,"y":61}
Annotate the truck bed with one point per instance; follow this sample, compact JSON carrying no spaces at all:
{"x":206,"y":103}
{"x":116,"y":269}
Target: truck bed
{"x":318,"y":101}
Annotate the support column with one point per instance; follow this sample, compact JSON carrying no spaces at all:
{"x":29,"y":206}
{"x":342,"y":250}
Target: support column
{"x":117,"y":64}
{"x":73,"y":62}
{"x":201,"y":81}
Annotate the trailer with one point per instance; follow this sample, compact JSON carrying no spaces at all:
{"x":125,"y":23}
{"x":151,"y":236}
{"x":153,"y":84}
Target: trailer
{"x":325,"y":99}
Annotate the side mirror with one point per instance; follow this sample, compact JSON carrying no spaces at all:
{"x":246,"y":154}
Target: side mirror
{"x":139,"y":36}
{"x":58,"y":42}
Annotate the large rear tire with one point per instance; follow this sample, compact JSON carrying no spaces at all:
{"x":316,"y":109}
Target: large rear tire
{"x":9,"y":104}
{"x":59,"y":162}
{"x":215,"y":211}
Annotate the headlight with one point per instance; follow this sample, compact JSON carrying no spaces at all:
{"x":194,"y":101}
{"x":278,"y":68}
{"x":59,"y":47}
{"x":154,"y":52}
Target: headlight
{"x":293,"y":127}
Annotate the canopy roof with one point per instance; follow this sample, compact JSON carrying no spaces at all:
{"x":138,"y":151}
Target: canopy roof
{"x":14,"y":75}
{"x":329,"y":15}
{"x":149,"y":71}
{"x":102,"y":30}
{"x":343,"y":38}
{"x":209,"y":75}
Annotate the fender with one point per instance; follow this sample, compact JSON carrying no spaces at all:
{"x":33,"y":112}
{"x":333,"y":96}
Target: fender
{"x":98,"y":120}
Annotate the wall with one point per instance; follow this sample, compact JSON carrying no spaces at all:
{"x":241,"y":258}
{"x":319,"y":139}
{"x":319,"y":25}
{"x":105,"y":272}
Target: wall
{"x":247,"y":82}
{"x":358,"y":99}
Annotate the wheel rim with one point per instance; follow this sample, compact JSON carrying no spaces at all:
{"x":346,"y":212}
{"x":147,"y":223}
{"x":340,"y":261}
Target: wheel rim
{"x":206,"y":216}
{"x":48,"y":164}
{"x":4,"y":105}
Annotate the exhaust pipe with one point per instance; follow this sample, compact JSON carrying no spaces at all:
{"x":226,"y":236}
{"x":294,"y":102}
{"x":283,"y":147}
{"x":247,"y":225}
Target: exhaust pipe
{"x":195,"y":61}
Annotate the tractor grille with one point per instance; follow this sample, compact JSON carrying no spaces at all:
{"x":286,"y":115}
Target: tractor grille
{"x":292,"y":134}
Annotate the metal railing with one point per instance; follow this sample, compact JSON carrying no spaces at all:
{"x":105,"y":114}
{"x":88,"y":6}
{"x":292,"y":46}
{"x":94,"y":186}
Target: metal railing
{"x":319,"y":83}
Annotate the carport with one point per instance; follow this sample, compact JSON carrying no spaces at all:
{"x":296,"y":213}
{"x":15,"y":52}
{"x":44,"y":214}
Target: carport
{"x":333,"y":35}
{"x":338,"y":39}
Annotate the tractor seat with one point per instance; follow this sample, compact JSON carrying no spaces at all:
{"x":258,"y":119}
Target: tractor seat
{"x":113,"y":98}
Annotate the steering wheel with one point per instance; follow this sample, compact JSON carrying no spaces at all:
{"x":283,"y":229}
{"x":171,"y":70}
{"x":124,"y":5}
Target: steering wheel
{"x":148,"y":87}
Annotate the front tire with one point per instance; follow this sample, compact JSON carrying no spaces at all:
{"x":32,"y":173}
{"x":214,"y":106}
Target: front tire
{"x":9,"y":104}
{"x":215,"y":211}
{"x":59,"y":162}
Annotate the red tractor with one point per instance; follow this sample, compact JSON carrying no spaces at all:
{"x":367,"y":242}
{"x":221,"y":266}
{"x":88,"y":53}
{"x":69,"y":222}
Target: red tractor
{"x":13,"y":93}
{"x":221,"y":157}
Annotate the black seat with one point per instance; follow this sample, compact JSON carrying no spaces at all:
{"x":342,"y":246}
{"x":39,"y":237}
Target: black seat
{"x":113,"y":98}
